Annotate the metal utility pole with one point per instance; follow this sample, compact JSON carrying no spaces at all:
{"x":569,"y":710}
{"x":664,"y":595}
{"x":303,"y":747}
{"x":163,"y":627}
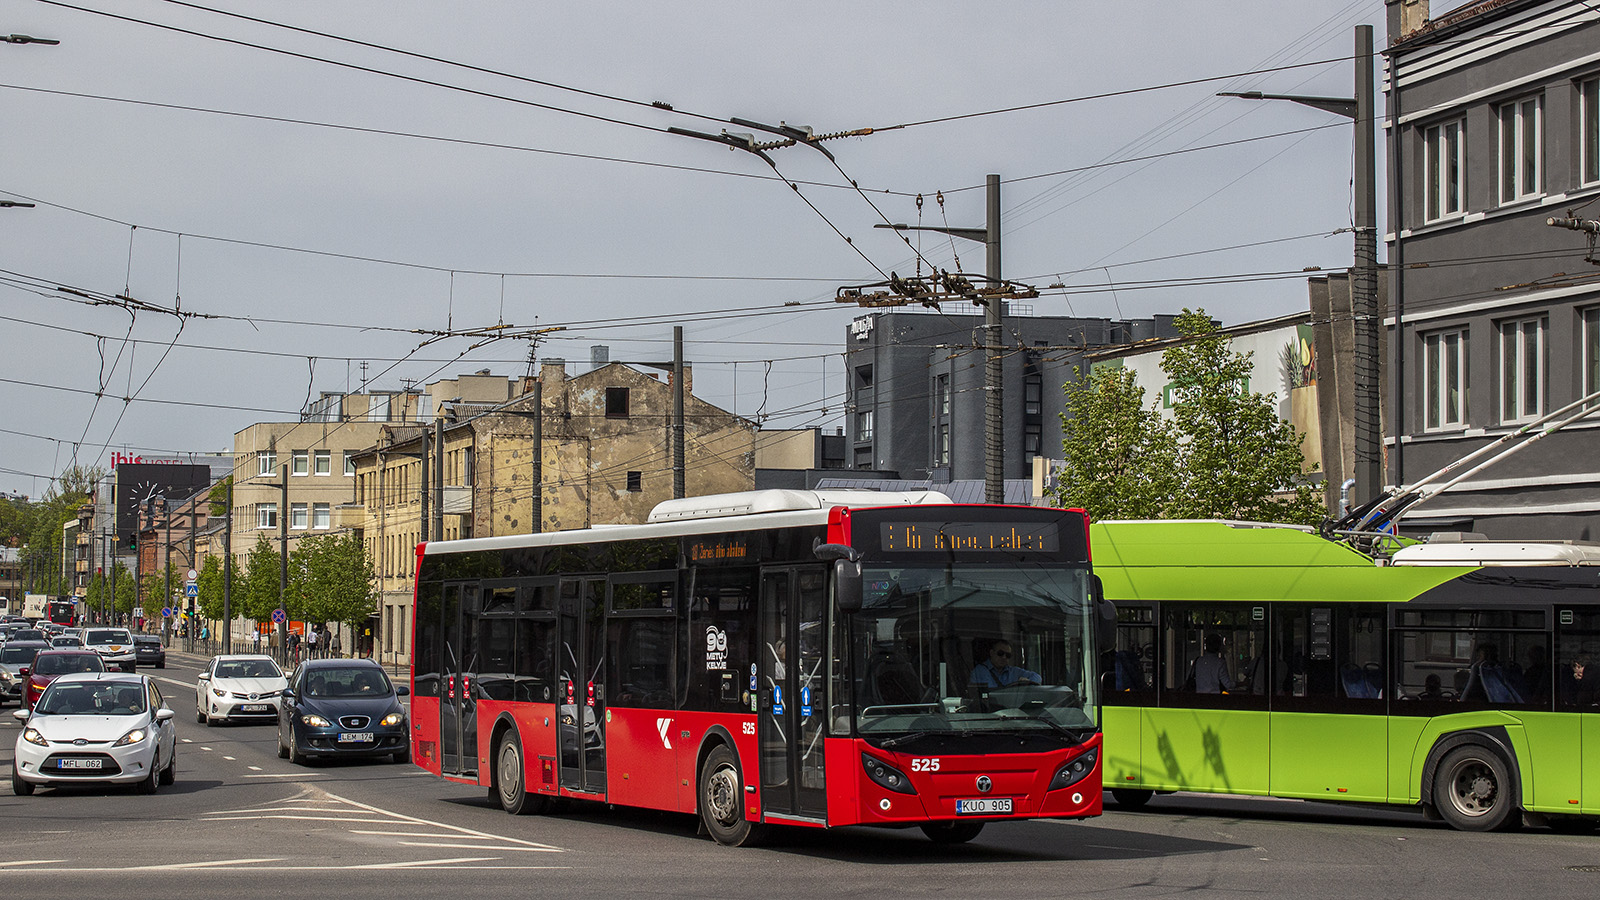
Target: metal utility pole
{"x":283,"y":564}
{"x":227,"y":575}
{"x":422,"y":517}
{"x":537,"y":513}
{"x":678,"y":489}
{"x":1364,"y":281}
{"x":437,"y":529}
{"x":994,"y":484}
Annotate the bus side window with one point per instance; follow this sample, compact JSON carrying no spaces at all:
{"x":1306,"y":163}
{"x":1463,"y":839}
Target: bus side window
{"x":1209,"y":653}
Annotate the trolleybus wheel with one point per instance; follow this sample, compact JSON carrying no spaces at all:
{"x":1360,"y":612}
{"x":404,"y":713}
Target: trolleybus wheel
{"x":722,"y":801}
{"x":952,"y":832}
{"x":510,"y":783}
{"x":1131,"y":798}
{"x":1472,"y":789}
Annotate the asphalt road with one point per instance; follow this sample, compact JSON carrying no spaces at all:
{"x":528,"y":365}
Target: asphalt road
{"x":242,"y":823}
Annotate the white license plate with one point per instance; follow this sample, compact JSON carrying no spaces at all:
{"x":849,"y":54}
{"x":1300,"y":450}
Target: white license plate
{"x":983,"y":806}
{"x":355,"y":737}
{"x":80,"y":763}
{"x":253,"y":708}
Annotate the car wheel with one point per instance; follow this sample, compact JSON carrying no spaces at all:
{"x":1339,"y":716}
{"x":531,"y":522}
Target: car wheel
{"x":148,"y":785}
{"x":403,"y":756}
{"x":283,"y":751}
{"x":510,"y":785}
{"x":952,"y":832}
{"x":199,"y":715}
{"x":1472,"y":789}
{"x":211,"y":721}
{"x":161,"y":665}
{"x":295,"y":756}
{"x":721,"y":801}
{"x":18,"y":786}
{"x":169,"y":775}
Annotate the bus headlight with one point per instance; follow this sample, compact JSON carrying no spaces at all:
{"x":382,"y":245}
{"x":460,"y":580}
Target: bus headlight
{"x":886,"y":776}
{"x":1075,"y":770}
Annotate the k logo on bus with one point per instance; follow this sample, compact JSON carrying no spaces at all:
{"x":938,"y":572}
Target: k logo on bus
{"x":663,"y":725}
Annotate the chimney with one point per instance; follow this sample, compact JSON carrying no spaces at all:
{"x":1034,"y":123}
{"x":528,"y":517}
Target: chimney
{"x":599,"y":356}
{"x":1405,"y":17}
{"x":552,"y":371}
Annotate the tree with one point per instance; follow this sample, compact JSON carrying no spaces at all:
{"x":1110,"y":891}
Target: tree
{"x":123,"y":589}
{"x":1238,"y":458}
{"x":258,"y":590}
{"x":332,"y":579}
{"x":210,"y":586}
{"x":1120,"y":457}
{"x":1225,"y":454}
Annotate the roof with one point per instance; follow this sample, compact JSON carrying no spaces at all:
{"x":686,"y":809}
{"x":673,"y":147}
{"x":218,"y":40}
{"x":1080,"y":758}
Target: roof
{"x":1018,"y":491}
{"x":1499,"y":553}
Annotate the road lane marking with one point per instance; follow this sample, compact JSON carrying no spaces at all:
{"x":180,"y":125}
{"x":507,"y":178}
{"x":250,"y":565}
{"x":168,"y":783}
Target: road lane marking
{"x":285,"y":816}
{"x":477,"y":847}
{"x":423,"y":834}
{"x":206,"y":864}
{"x":30,"y":862}
{"x":182,"y":684}
{"x":230,"y":759}
{"x":286,"y":775}
{"x":448,"y":827}
{"x":188,"y":740}
{"x":254,"y":768}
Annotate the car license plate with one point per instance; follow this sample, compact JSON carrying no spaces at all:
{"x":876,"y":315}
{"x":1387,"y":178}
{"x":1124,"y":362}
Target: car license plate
{"x":983,"y":806}
{"x":79,"y":763}
{"x":355,"y":737}
{"x":253,"y":708}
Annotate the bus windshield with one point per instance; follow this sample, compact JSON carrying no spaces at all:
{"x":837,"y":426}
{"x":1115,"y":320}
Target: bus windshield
{"x":974,"y":649}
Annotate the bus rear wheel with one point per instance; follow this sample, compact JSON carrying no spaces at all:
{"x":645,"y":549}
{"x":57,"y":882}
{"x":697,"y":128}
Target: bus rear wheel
{"x":1131,"y":798}
{"x":510,"y":783}
{"x":1472,"y":789}
{"x":952,"y":832}
{"x":722,"y":801}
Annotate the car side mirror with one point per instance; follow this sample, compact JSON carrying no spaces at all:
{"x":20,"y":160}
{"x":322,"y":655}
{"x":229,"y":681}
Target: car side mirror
{"x":163,"y":714}
{"x":204,"y":676}
{"x":401,"y":690}
{"x":20,"y":715}
{"x":23,"y":672}
{"x":288,"y":694}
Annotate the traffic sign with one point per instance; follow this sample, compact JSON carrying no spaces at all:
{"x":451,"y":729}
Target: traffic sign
{"x":191,"y":590}
{"x":279,"y":616}
{"x":193,"y":575}
{"x":166,"y":612}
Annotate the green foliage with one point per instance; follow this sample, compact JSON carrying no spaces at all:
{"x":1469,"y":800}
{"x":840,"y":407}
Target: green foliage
{"x":124,"y":590}
{"x":210,"y":584}
{"x":256,"y":593}
{"x":1120,"y":457}
{"x":1225,"y":455}
{"x":331,"y":579}
{"x":218,"y":498}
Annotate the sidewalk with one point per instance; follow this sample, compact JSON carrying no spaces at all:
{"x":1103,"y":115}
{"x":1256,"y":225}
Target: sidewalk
{"x":205,"y":650}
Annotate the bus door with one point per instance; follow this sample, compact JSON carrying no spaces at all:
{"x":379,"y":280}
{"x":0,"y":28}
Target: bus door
{"x":580,"y":680}
{"x":458,"y":714}
{"x":794,"y":604}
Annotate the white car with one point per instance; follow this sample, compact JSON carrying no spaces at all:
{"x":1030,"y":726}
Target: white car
{"x":239,"y":687}
{"x":115,"y":646}
{"x":96,"y":727}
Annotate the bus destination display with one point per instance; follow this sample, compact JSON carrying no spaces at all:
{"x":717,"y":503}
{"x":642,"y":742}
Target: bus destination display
{"x":1029,"y":537}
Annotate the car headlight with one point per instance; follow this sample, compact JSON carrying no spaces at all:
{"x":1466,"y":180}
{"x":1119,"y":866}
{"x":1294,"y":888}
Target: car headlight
{"x":33,"y":736}
{"x":219,"y":692}
{"x":132,"y":737}
{"x":567,"y":719}
{"x":316,"y":721}
{"x":393,"y":719}
{"x":5,"y":676}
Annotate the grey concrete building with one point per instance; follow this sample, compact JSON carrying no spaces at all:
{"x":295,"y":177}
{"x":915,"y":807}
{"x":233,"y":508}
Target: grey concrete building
{"x":916,"y":398}
{"x":1495,"y":319}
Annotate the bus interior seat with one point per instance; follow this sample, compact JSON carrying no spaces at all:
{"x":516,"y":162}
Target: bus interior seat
{"x":892,"y":680}
{"x":1497,"y":687}
{"x":1354,"y":681}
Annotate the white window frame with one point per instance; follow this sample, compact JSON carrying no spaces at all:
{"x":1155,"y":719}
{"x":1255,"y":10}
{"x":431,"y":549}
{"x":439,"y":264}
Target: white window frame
{"x":1524,"y":368}
{"x":300,"y":463}
{"x":266,"y":462}
{"x":266,"y":515}
{"x":1444,"y":170}
{"x":349,"y":464}
{"x":1589,"y":132}
{"x":1590,"y":319}
{"x":299,"y":516}
{"x":1521,"y":159}
{"x":321,"y":516}
{"x":864,"y":425}
{"x":322,"y":462}
{"x":1444,"y":366}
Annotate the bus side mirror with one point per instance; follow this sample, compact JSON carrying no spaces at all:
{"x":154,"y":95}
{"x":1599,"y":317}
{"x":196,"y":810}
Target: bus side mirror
{"x":1105,"y":616}
{"x":847,"y":584}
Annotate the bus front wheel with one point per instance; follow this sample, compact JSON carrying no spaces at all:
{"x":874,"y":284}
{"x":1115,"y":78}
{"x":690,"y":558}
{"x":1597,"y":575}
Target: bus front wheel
{"x":1472,"y":789}
{"x":1131,"y":798}
{"x":952,"y":832}
{"x":722,"y":801}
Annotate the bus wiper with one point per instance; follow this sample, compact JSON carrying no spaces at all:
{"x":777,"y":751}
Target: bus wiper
{"x":904,"y":738}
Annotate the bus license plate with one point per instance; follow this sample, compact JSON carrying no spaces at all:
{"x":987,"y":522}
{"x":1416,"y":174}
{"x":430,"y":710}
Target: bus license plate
{"x":983,"y":806}
{"x":80,"y":763}
{"x":355,"y":737}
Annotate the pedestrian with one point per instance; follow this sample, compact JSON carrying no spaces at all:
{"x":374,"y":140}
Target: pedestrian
{"x":258,"y":639}
{"x":311,"y":642}
{"x":336,"y":649}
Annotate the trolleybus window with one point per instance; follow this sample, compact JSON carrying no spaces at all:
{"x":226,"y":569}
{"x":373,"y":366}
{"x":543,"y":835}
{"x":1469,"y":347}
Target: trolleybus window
{"x":1479,"y":657}
{"x":1329,"y":658}
{"x":1214,"y":655}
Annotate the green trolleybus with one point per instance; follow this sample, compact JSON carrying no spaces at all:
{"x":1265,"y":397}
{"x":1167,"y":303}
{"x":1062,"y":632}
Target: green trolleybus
{"x":795,"y":658}
{"x":1266,"y":660}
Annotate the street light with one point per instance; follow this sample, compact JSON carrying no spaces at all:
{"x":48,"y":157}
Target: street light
{"x":26,"y":39}
{"x":1364,"y":286}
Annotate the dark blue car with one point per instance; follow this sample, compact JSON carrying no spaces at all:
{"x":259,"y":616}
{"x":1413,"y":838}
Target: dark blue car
{"x":342,"y":708}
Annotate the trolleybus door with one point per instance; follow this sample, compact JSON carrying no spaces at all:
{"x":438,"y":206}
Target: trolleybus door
{"x":580,"y":680}
{"x":1577,"y":630}
{"x":458,"y":715}
{"x":794,"y":603}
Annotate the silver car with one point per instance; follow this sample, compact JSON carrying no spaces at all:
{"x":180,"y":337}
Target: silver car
{"x":115,"y":646}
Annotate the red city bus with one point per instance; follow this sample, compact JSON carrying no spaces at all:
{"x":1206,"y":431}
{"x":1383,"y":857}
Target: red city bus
{"x":772,"y":658}
{"x":62,"y":612}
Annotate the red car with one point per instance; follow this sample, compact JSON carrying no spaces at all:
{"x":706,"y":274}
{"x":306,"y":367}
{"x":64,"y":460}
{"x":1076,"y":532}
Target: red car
{"x":50,"y":663}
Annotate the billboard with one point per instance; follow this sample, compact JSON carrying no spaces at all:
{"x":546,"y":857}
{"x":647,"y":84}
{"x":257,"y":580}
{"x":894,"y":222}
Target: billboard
{"x":138,"y":483}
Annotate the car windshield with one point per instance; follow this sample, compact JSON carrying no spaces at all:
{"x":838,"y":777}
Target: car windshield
{"x":975,"y":649}
{"x":63,"y":663}
{"x":78,"y":698}
{"x":28,"y":634}
{"x":18,"y":655}
{"x":364,"y":681}
{"x":107,"y":636}
{"x":248,"y":668}
{"x":66,"y":640}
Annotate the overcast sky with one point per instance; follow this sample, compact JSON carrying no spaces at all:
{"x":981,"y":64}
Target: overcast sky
{"x":305,"y":237}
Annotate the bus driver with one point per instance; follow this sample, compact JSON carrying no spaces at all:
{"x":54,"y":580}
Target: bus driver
{"x":997,"y":671}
